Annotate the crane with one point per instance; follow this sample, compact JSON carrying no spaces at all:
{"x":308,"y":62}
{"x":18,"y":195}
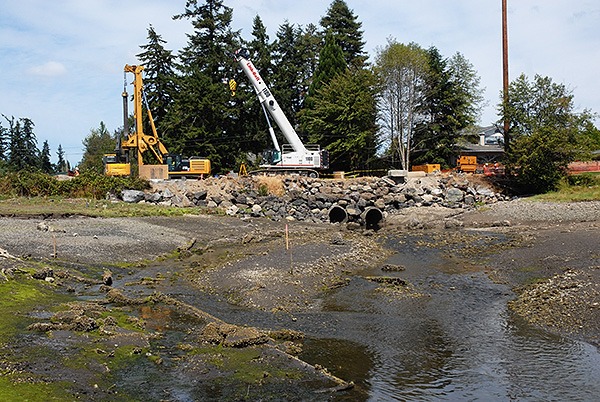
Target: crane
{"x":293,"y":157}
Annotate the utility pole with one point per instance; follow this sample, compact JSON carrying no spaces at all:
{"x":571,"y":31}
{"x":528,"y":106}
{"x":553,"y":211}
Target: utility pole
{"x":505,"y":75}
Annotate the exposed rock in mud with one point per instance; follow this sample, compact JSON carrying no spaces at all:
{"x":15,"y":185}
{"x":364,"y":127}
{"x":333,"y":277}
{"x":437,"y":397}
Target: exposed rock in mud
{"x":387,"y":280}
{"x":565,"y":302}
{"x":79,"y":317}
{"x":392,"y":268}
{"x":43,"y":273}
{"x":232,"y":336}
{"x":117,"y":297}
{"x":107,"y":279}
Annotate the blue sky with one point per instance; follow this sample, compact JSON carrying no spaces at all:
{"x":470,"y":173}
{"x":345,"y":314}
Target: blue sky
{"x":61,"y":61}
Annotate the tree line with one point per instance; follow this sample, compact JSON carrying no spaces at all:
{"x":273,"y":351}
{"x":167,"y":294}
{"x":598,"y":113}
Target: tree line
{"x":409,"y":101}
{"x":409,"y":105}
{"x":19,"y":150}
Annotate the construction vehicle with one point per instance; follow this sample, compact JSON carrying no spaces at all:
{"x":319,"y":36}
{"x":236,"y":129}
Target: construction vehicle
{"x":169,"y":165}
{"x":291,"y":158}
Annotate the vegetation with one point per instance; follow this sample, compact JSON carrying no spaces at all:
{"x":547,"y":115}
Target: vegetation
{"x":18,"y":298}
{"x":545,"y":135}
{"x":410,"y":106}
{"x":89,"y":184}
{"x":96,"y":144}
{"x":18,"y":148}
{"x":574,"y":188}
{"x":403,"y":70}
{"x":453,"y":100}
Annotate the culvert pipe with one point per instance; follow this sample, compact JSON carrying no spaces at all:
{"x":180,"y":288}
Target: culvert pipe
{"x":337,"y":214}
{"x":372,"y":217}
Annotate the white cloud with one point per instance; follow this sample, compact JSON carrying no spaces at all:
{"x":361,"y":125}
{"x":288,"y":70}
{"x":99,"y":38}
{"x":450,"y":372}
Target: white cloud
{"x":49,"y":69}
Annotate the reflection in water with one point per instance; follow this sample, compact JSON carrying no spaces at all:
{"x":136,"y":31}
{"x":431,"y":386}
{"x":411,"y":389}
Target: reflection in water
{"x":157,"y":318}
{"x":459,"y":343}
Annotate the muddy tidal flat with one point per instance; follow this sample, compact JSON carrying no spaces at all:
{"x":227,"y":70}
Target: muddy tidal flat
{"x":437,"y":304}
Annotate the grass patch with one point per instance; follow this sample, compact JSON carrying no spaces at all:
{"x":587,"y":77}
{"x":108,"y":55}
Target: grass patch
{"x":571,"y":194}
{"x":270,"y":185}
{"x":581,"y":187}
{"x":86,"y":207}
{"x":13,"y":390}
{"x":246,"y":364}
{"x":19,"y":297}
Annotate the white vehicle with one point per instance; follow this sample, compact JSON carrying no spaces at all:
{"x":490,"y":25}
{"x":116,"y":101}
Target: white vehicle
{"x":293,"y":157}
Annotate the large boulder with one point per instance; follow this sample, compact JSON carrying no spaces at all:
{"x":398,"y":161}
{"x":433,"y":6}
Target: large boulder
{"x":132,"y":196}
{"x":454,"y":195}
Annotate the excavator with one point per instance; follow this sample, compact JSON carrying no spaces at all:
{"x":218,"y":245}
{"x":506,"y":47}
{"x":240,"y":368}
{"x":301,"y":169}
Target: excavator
{"x":170,"y":165}
{"x":291,"y":158}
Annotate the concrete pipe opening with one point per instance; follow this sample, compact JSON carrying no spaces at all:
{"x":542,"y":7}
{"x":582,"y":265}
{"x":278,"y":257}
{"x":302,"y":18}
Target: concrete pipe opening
{"x":337,"y":214}
{"x":372,"y":217}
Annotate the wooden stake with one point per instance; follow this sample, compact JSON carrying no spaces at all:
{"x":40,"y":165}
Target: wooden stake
{"x":287,"y":247}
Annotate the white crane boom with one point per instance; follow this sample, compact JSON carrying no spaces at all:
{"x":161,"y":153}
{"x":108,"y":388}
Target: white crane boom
{"x":295,"y":157}
{"x":268,"y":100}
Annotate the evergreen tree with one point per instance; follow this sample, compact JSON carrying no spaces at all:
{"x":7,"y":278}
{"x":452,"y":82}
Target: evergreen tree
{"x":4,"y":140}
{"x":287,"y":71}
{"x":343,"y":119}
{"x":452,"y":103}
{"x":96,"y":144}
{"x":159,"y":80}
{"x":346,"y":28}
{"x":24,"y":154}
{"x":61,"y":164}
{"x":331,"y":64}
{"x":260,"y":48}
{"x":252,"y":118}
{"x":309,"y":46}
{"x":45,"y":163}
{"x":468,"y":94}
{"x":203,"y":119}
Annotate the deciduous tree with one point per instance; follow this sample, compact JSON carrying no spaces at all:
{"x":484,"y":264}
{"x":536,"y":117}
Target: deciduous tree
{"x":403,"y":71}
{"x":546,"y":132}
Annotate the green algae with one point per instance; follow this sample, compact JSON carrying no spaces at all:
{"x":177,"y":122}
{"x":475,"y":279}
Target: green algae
{"x":19,"y":299}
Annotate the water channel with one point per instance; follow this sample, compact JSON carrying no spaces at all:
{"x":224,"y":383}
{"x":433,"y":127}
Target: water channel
{"x":456,"y":340}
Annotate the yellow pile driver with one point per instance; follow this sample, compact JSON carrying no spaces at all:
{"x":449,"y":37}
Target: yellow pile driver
{"x":169,"y":165}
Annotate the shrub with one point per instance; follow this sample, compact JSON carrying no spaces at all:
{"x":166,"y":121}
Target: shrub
{"x":583,"y":180}
{"x":87,"y":185}
{"x":270,"y":185}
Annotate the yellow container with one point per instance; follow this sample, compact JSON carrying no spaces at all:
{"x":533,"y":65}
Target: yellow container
{"x":427,"y":168}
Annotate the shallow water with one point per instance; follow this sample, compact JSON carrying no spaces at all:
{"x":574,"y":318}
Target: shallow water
{"x":456,"y":341}
{"x":459,"y":342}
